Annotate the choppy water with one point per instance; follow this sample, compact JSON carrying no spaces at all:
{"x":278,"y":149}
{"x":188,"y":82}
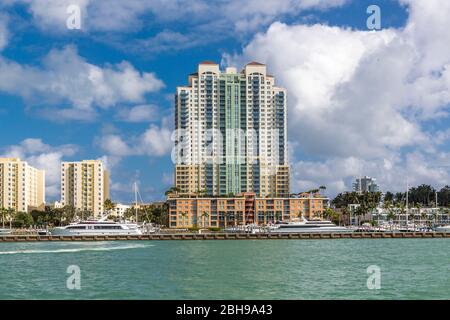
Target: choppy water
{"x":234,"y":269}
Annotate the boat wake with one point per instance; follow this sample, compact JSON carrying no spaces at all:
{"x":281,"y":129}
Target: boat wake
{"x":73,"y":250}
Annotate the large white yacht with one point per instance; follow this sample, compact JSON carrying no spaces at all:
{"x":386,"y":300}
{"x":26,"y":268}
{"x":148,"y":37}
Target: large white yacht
{"x":96,"y":228}
{"x":308,"y":226}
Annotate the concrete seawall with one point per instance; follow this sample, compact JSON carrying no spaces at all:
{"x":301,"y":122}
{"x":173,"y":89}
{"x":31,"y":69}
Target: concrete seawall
{"x":230,"y":236}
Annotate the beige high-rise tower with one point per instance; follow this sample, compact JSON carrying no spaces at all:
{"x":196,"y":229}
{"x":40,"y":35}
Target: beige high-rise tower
{"x":85,"y":185}
{"x":231,"y":132}
{"x":22,"y":187}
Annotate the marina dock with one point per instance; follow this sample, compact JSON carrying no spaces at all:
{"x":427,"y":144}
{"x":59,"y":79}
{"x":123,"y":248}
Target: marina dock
{"x":230,"y":236}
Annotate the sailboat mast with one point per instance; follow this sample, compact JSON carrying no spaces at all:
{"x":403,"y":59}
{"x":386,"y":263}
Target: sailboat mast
{"x":407,"y":195}
{"x":436,"y":201}
{"x":135,"y":202}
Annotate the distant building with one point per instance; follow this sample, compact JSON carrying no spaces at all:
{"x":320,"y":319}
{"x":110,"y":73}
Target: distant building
{"x":187,"y":211}
{"x":22,"y":187}
{"x":120,"y":209}
{"x":85,"y":185}
{"x":365,"y":184}
{"x":155,"y":204}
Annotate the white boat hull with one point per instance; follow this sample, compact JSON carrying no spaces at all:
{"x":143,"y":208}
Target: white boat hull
{"x":443,"y":229}
{"x":5,"y":232}
{"x":97,"y":229}
{"x":311,"y":230}
{"x":65,"y":232}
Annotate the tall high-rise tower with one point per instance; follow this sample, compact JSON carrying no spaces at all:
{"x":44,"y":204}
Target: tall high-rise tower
{"x":231,"y":132}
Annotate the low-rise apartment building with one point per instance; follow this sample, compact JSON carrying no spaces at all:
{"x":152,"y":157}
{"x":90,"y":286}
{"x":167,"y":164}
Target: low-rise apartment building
{"x":189,"y":211}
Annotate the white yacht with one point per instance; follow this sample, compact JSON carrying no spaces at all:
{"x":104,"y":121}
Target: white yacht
{"x":97,"y":228}
{"x":308,"y":226}
{"x":249,"y":228}
{"x":445,"y":228}
{"x":4,"y":232}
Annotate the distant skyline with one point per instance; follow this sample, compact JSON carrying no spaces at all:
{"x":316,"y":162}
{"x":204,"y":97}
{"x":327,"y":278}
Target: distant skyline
{"x":360,"y":102}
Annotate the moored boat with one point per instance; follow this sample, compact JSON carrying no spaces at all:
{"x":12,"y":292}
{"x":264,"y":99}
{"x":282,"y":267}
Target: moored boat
{"x":5,"y":232}
{"x":308,"y":226}
{"x":96,"y":228}
{"x":445,"y":228}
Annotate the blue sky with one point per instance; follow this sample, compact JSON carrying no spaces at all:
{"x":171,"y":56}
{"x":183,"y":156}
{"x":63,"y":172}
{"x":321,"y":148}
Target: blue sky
{"x":62,"y":93}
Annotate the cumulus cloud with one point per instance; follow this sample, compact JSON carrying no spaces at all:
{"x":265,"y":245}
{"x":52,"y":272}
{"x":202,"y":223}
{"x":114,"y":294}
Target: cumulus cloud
{"x":118,"y":15}
{"x":67,"y":79}
{"x":155,"y":141}
{"x":43,"y":156}
{"x":196,"y":19}
{"x":361,"y":98}
{"x":140,"y":113}
{"x":391,"y":173}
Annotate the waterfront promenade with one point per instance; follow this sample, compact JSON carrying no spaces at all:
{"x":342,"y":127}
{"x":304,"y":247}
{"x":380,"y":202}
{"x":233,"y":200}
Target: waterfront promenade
{"x":230,"y":236}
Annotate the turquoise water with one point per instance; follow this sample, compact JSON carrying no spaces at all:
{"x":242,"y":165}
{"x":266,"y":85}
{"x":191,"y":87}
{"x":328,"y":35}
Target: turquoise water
{"x":234,"y":269}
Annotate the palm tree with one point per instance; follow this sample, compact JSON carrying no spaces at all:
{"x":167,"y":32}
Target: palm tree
{"x":10,"y":213}
{"x":265,"y":214}
{"x":327,"y":213}
{"x":424,"y":216}
{"x":184,"y":215}
{"x":390,"y":217}
{"x":69,"y":213}
{"x":203,"y":216}
{"x":3,"y":211}
{"x":171,"y":190}
{"x":225,"y":218}
{"x":434,"y":214}
{"x":360,"y":212}
{"x":128,"y":214}
{"x":277,"y":216}
{"x":109,"y":206}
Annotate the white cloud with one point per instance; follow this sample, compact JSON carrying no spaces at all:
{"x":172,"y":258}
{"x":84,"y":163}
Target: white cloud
{"x":140,"y":113}
{"x":153,"y":142}
{"x":114,"y":145}
{"x":4,"y":33}
{"x":156,"y":141}
{"x":362,"y":97}
{"x":392,"y":174}
{"x":66,"y":79}
{"x":118,"y":15}
{"x":43,"y":156}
